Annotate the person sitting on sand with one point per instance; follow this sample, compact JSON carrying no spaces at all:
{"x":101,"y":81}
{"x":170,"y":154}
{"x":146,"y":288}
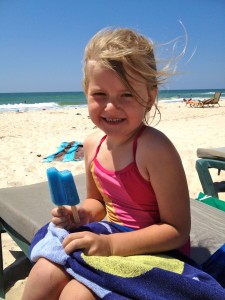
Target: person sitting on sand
{"x":187,"y":101}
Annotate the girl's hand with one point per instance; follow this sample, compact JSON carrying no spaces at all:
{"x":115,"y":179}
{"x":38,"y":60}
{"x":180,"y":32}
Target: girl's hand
{"x":90,"y":243}
{"x":63,"y":217}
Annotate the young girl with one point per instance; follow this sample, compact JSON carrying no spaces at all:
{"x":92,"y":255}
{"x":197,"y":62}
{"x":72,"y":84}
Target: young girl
{"x":134,"y":175}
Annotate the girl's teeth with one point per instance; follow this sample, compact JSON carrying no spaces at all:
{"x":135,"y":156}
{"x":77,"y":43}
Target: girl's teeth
{"x":113,"y":120}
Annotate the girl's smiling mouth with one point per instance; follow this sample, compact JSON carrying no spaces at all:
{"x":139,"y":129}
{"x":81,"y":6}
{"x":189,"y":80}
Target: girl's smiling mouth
{"x":113,"y":120}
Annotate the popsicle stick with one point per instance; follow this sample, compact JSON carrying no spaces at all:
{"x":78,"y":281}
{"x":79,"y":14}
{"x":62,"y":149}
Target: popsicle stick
{"x":75,"y":214}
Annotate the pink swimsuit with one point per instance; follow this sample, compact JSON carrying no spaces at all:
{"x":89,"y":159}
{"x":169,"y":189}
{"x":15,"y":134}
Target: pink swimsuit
{"x":129,"y":198}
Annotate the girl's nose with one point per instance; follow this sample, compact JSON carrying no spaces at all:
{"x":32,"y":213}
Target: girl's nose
{"x":112,"y":104}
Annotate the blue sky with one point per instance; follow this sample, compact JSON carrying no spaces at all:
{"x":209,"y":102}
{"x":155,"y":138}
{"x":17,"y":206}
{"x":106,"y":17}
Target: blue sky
{"x":42,"y":41}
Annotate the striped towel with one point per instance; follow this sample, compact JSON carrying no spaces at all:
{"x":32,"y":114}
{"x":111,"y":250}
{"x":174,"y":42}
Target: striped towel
{"x":168,"y":276}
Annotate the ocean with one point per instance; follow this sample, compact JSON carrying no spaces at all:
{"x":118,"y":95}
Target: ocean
{"x":58,"y":100}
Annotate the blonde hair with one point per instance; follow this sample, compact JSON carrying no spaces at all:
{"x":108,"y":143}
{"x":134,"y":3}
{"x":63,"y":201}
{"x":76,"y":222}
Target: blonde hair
{"x":122,"y":48}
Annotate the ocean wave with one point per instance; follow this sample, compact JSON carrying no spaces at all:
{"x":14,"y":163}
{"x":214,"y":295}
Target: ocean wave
{"x":208,"y":93}
{"x":21,"y":107}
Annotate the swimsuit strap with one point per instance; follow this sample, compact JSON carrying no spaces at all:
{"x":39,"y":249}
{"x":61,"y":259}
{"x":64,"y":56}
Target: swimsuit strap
{"x":99,"y":145}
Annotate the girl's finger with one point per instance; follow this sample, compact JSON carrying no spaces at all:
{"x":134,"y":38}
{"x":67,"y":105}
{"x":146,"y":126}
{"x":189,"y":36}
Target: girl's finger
{"x":75,"y":241}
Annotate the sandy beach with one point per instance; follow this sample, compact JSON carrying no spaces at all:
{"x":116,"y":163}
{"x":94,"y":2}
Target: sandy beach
{"x":27,"y":137}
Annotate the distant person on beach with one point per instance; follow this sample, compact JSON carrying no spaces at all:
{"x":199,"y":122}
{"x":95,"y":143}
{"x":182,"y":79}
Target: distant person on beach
{"x":187,"y":101}
{"x":134,"y":175}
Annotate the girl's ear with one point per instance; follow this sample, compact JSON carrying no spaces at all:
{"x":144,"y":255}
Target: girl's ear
{"x":151,"y":98}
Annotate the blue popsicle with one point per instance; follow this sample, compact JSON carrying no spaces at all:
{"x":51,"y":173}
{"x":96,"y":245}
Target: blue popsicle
{"x":63,"y":190}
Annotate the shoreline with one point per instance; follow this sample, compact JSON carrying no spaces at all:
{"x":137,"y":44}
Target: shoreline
{"x":26,"y":138}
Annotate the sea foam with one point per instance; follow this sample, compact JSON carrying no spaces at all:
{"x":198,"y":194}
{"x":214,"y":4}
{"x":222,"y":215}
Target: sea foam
{"x":21,"y":107}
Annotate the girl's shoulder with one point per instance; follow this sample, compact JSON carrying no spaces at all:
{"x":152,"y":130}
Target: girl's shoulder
{"x":155,"y":152}
{"x":91,"y":143}
{"x":153,"y":135}
{"x":155,"y":142}
{"x":94,"y":138}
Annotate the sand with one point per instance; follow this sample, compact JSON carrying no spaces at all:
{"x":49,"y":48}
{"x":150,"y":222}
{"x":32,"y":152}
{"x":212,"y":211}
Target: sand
{"x":27,"y":137}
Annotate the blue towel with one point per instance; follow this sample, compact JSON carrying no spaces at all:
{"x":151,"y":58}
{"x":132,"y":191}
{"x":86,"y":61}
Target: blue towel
{"x":165,"y":276}
{"x":215,"y":265}
{"x":67,"y":151}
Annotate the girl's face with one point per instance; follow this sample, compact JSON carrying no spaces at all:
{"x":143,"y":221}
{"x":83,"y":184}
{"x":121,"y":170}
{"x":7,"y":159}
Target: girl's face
{"x":112,"y":107}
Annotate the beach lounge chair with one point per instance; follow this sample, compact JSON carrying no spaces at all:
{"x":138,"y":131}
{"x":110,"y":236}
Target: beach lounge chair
{"x":23,"y":210}
{"x":210,"y":158}
{"x":215,"y":99}
{"x":206,"y":102}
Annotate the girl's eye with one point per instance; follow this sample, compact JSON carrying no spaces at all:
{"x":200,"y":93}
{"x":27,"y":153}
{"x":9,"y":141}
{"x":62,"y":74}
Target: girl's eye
{"x":127,"y":95}
{"x":99,"y":94}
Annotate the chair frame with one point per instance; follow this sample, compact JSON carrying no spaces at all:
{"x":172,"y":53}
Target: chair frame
{"x":202,"y":167}
{"x":215,"y":99}
{"x":19,"y":240}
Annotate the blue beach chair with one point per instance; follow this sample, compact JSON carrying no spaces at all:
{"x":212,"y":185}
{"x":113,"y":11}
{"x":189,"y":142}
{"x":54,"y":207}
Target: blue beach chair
{"x":210,"y":158}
